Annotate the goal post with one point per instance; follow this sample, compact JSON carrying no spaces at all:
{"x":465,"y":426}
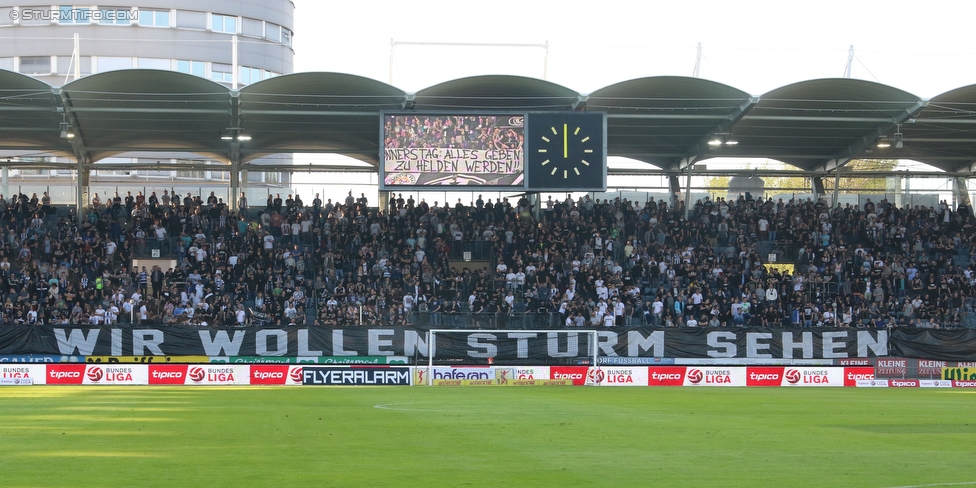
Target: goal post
{"x":508,"y":347}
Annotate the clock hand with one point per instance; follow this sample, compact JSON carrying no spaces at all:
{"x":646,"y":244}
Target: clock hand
{"x":565,"y":141}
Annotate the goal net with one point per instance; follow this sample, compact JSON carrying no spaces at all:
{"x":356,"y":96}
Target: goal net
{"x":501,"y":355}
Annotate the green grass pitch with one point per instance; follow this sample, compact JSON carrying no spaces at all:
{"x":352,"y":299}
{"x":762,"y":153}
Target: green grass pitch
{"x":487,"y":436}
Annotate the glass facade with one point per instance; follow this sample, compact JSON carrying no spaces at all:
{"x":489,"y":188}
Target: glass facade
{"x":71,"y":15}
{"x":223,"y":23}
{"x":35,"y":65}
{"x":154,"y":18}
{"x":115,"y":16}
{"x":196,"y":68}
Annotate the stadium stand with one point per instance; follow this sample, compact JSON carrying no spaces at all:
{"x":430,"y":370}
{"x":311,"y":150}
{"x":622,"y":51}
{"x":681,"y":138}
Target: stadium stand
{"x":573,"y":263}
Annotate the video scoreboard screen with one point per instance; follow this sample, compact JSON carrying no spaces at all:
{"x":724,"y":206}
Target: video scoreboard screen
{"x":424,"y":150}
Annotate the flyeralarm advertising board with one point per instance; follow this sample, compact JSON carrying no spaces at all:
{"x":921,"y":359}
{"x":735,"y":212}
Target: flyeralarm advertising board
{"x":356,"y":376}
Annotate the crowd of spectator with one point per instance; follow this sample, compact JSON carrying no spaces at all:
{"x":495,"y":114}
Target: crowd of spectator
{"x":581,"y":262}
{"x":454,"y":131}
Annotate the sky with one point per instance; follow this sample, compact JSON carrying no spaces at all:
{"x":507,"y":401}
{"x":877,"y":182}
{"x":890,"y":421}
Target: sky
{"x":752,"y":45}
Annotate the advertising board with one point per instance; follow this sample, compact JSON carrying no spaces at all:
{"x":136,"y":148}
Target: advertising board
{"x":853,"y":374}
{"x":275,"y":374}
{"x":665,"y":375}
{"x":621,"y":376}
{"x":116,"y":374}
{"x":715,"y":376}
{"x":356,"y":376}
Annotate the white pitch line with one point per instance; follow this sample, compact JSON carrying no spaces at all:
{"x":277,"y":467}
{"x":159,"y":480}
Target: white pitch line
{"x":394,"y":406}
{"x":962,"y":483}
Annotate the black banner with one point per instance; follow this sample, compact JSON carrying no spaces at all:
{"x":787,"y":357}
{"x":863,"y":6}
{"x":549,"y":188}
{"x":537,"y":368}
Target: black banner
{"x":570,"y":347}
{"x":944,"y":345}
{"x":355,"y":376}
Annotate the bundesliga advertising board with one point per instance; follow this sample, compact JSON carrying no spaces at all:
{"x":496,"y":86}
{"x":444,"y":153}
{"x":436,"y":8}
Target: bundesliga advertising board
{"x":315,"y":375}
{"x":452,"y":150}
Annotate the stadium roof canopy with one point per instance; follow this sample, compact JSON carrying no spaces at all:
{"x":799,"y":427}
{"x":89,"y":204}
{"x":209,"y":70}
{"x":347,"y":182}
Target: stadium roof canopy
{"x":668,"y":122}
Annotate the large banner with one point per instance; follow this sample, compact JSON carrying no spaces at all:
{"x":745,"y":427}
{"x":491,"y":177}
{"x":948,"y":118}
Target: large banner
{"x":619,"y":345}
{"x":945,"y":345}
{"x":472,"y":347}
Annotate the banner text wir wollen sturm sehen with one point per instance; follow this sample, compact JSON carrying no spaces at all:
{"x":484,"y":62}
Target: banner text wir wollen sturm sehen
{"x":512,"y":345}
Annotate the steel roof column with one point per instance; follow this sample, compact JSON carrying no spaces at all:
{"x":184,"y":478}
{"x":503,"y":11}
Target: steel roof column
{"x":674,"y":189}
{"x":81,"y":192}
{"x":960,"y":192}
{"x":817,"y":187}
{"x":235,"y":183}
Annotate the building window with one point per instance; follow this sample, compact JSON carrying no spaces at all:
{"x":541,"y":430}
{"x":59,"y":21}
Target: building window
{"x":252,"y":27}
{"x":115,"y":16}
{"x":221,"y":72}
{"x":35,"y":65}
{"x":188,"y":19}
{"x":112,"y":63}
{"x":272,"y":32}
{"x":196,"y":68}
{"x":154,"y":18}
{"x":68,"y":14}
{"x":155,"y":63}
{"x":286,"y":37}
{"x":66,"y":68}
{"x":189,"y":174}
{"x":223,"y":23}
{"x":7,"y":64}
{"x":249,"y":75}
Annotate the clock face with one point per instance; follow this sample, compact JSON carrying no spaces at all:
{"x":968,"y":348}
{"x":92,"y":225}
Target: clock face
{"x":566,"y":151}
